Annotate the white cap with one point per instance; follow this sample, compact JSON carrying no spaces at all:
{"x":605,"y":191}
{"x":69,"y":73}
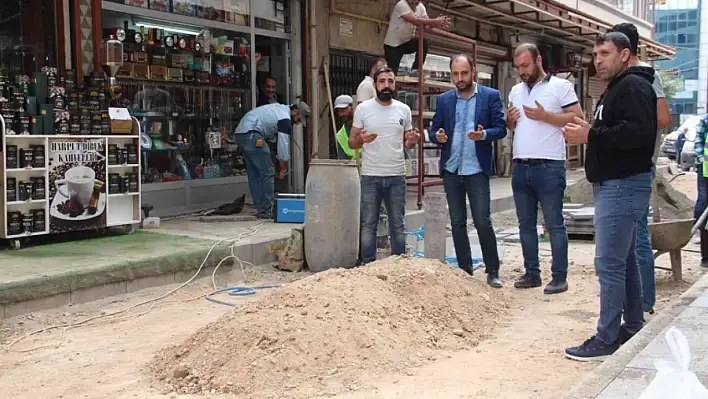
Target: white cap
{"x":343,"y":101}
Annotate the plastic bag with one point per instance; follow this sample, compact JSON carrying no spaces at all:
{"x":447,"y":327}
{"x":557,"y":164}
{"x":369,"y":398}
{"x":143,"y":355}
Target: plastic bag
{"x":673,"y":379}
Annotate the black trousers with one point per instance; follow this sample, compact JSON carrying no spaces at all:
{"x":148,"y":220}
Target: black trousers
{"x":394,"y":54}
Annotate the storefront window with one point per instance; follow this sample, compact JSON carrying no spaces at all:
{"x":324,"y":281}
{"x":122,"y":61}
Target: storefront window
{"x":27,"y":35}
{"x":229,"y":11}
{"x":189,"y":87}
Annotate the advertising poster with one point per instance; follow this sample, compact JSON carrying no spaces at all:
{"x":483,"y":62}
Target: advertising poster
{"x":77,"y":184}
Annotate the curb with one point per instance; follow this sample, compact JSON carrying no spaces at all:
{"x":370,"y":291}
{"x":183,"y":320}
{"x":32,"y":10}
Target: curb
{"x":593,"y":383}
{"x":86,"y":285}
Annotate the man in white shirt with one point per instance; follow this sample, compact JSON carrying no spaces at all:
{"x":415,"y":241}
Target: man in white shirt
{"x":401,"y":39}
{"x":382,"y":128}
{"x":366,"y":89}
{"x":538,"y":108}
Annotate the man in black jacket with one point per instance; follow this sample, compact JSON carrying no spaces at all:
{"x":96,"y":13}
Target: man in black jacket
{"x":620,"y":146}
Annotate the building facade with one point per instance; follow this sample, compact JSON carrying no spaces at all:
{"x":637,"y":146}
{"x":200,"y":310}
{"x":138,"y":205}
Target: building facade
{"x":681,"y":28}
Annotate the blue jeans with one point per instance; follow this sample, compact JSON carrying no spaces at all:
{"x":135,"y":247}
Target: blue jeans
{"x":260,"y":170}
{"x":476,"y":188}
{"x":619,"y":204}
{"x":645,"y":259}
{"x":544,"y":183}
{"x":391,"y":190}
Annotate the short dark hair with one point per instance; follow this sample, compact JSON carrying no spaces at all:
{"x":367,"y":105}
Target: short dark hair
{"x":530,"y":47}
{"x":269,"y":78}
{"x":467,"y":57}
{"x":619,"y":39}
{"x":380,"y":71}
{"x":375,"y":61}
{"x":632,"y":34}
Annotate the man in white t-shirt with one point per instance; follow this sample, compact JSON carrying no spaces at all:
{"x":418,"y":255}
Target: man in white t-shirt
{"x":366,"y":89}
{"x":538,"y":108}
{"x":401,"y":36}
{"x":382,"y":128}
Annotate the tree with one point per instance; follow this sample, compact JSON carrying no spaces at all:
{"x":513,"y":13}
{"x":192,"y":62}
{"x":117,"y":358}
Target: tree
{"x":672,"y":83}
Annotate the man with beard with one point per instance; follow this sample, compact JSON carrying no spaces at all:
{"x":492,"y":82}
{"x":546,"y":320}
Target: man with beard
{"x":382,"y":128}
{"x":538,"y":108}
{"x":467,"y":121}
{"x":345,"y":111}
{"x":620,"y":146}
{"x":252,"y":133}
{"x":401,"y":39}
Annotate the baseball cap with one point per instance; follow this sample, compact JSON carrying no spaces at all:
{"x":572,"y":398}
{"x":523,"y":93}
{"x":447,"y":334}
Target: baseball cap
{"x":303,"y":109}
{"x":343,"y":101}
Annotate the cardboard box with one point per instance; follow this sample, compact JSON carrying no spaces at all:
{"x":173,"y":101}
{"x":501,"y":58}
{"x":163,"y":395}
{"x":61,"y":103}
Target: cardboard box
{"x":160,"y":5}
{"x":121,"y":122}
{"x":185,"y":7}
{"x":137,"y":3}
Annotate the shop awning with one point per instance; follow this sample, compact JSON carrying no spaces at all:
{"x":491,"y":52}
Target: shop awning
{"x":542,"y":17}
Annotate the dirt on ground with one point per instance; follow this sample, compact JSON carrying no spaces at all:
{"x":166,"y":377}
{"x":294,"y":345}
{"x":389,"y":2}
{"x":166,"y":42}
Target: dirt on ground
{"x":320,"y":334}
{"x":521,"y":356}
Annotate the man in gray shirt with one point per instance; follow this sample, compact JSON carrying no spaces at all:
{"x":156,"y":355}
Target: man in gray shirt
{"x":645,"y":257}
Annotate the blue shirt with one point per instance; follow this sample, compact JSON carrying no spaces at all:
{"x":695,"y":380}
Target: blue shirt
{"x":270,"y":120}
{"x":463,"y":154}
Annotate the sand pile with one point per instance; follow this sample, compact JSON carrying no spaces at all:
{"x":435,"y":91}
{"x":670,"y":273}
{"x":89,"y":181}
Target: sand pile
{"x":321,"y":334}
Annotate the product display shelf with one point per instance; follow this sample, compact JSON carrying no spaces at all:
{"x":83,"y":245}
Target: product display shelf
{"x":121,"y":209}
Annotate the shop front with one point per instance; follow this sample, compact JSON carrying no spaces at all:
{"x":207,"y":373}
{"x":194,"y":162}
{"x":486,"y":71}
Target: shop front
{"x":191,"y":70}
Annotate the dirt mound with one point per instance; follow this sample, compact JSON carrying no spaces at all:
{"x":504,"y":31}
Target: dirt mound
{"x":321,"y":334}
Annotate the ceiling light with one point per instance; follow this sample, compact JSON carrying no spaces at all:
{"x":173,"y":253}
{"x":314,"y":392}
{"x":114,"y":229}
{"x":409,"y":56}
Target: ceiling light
{"x":168,"y":29}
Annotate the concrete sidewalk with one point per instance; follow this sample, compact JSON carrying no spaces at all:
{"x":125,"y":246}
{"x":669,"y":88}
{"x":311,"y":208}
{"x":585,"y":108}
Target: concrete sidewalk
{"x":630,"y":370}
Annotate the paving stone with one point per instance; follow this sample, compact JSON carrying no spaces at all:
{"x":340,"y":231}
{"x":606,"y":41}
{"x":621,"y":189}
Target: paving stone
{"x":632,"y":382}
{"x":693,"y":323}
{"x":700,"y":302}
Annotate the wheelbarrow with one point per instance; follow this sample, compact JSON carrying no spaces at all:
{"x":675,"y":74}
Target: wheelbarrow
{"x":671,"y":236}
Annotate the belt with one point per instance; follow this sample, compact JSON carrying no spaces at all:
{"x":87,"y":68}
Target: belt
{"x":532,"y":161}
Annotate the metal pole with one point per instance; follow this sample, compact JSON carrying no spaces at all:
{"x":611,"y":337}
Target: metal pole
{"x":421,"y":143}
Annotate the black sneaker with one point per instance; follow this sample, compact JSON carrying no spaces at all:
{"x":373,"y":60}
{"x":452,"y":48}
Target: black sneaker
{"x":528,"y":281}
{"x":624,"y":335}
{"x":468,"y":270}
{"x":556,"y":286}
{"x":592,"y":350}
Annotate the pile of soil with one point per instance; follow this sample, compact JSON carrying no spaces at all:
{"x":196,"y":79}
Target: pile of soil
{"x":321,"y":334}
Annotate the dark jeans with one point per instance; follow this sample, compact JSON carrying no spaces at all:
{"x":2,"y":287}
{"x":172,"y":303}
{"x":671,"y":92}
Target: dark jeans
{"x":394,"y":54}
{"x":701,"y":203}
{"x":645,"y":259}
{"x":619,"y":204}
{"x":391,"y":190}
{"x":476,"y":189}
{"x":541,"y":181}
{"x":260,"y":170}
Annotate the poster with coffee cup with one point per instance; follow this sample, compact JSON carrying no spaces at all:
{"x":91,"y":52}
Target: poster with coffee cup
{"x":77,"y":184}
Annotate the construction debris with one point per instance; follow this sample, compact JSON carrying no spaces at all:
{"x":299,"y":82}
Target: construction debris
{"x":319,"y":335}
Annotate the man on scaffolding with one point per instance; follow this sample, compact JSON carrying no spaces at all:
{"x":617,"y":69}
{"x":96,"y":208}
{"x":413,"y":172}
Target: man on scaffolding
{"x":401,"y":37}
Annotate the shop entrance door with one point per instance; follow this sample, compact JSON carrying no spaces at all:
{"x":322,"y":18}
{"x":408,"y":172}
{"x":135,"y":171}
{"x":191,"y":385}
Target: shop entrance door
{"x":274,"y":86}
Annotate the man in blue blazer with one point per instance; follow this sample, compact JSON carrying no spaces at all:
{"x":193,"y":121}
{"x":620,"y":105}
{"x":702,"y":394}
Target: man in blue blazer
{"x":466,"y":122}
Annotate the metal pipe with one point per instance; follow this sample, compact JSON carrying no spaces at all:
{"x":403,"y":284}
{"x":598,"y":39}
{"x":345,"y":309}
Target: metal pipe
{"x":314,"y":73}
{"x":421,"y":117}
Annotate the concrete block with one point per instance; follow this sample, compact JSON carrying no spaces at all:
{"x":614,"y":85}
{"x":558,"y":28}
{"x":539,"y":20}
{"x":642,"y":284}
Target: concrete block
{"x":99,"y":292}
{"x":244,"y":252}
{"x":36,"y":305}
{"x":260,"y":251}
{"x":631,"y":382}
{"x":693,"y":322}
{"x":700,"y":302}
{"x":435,"y":220}
{"x":149,"y":282}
